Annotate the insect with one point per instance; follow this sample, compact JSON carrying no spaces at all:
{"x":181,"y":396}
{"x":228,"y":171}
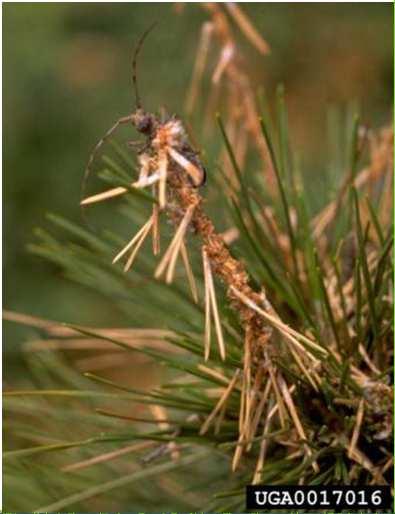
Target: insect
{"x":166,"y":147}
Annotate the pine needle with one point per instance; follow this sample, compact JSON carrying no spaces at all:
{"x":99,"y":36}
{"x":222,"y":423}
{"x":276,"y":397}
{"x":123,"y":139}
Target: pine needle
{"x":220,"y":403}
{"x":131,"y":243}
{"x":357,"y":428}
{"x":106,"y":195}
{"x":207,"y":323}
{"x":262,"y":451}
{"x":118,"y":191}
{"x":294,"y":415}
{"x":105,"y":457}
{"x":160,"y":414}
{"x":200,"y":64}
{"x":155,"y":230}
{"x":245,"y":405}
{"x":277,"y":323}
{"x":225,"y":58}
{"x":238,"y":452}
{"x":279,"y":401}
{"x":258,"y":413}
{"x":247,"y":28}
{"x":304,"y":370}
{"x":212,"y":299}
{"x":163,"y":163}
{"x":188,"y":269}
{"x":173,"y":260}
{"x":247,"y":380}
{"x":141,"y":240}
{"x":175,"y":243}
{"x":213,"y":373}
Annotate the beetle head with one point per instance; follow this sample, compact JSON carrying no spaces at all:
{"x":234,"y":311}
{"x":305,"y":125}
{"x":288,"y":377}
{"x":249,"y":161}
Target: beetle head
{"x":143,"y":122}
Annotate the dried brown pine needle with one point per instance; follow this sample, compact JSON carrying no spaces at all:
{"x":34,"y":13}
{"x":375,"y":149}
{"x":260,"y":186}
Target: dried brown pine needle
{"x":357,"y":428}
{"x":220,"y":403}
{"x":106,"y":195}
{"x":245,"y":408}
{"x":304,"y":370}
{"x":118,"y":191}
{"x":226,"y":56}
{"x":210,"y":290}
{"x":247,"y":373}
{"x":173,"y":260}
{"x":213,"y":373}
{"x":359,"y":457}
{"x":247,"y":27}
{"x":258,"y":413}
{"x":105,"y":361}
{"x":282,"y":413}
{"x":155,"y":230}
{"x":381,"y":162}
{"x":142,"y":238}
{"x":174,"y":246}
{"x":200,"y":64}
{"x":133,"y":241}
{"x":388,"y":465}
{"x":189,"y":272}
{"x":160,"y":414}
{"x":231,"y":235}
{"x":294,"y":415}
{"x":163,"y":164}
{"x":229,"y":78}
{"x":207,"y":301}
{"x":238,"y":452}
{"x":105,"y":457}
{"x":262,"y":451}
{"x":66,"y":336}
{"x":286,"y":330}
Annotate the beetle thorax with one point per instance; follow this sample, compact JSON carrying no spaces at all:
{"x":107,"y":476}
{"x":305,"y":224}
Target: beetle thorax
{"x":170,"y":134}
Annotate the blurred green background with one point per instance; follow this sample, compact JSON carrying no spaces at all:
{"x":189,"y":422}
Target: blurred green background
{"x":66,"y":77}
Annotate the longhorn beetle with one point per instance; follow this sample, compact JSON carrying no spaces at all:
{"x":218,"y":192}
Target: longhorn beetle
{"x":166,"y":143}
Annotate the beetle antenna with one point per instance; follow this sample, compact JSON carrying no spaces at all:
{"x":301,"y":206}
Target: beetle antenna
{"x":134,"y":64}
